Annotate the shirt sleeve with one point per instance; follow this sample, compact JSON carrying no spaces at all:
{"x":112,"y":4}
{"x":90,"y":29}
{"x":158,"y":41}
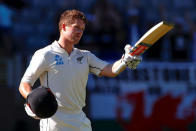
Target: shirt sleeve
{"x":36,"y":67}
{"x":96,"y":65}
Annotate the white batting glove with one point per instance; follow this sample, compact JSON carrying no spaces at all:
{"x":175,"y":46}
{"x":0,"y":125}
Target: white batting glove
{"x":130,"y":61}
{"x":30,"y":112}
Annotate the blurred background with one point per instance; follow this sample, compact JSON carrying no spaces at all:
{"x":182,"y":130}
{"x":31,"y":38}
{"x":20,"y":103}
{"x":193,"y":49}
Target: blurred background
{"x":158,"y":96}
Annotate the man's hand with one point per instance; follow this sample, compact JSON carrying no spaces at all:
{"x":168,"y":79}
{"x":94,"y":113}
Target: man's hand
{"x":30,"y":112}
{"x":130,"y":61}
{"x":117,"y":67}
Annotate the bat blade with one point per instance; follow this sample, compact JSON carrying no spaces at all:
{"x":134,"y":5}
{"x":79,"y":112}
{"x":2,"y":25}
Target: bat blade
{"x":150,"y":37}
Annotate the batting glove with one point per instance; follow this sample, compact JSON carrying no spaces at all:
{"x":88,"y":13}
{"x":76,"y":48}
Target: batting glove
{"x":130,"y":61}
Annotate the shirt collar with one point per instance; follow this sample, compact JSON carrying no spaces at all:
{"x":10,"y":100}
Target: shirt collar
{"x":56,"y":47}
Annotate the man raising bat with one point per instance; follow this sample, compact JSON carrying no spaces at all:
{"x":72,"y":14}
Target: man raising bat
{"x":64,"y":69}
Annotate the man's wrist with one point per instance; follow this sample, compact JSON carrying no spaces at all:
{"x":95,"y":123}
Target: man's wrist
{"x":118,"y":67}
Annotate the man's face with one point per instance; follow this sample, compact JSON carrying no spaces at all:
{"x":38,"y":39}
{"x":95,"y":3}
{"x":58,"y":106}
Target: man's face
{"x":74,"y":31}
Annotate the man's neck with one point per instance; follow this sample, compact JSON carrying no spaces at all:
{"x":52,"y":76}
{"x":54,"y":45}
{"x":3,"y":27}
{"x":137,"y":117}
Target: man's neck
{"x":66,"y":45}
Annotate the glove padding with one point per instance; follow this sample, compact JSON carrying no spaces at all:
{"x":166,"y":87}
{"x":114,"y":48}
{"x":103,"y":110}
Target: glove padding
{"x":30,"y":112}
{"x":130,"y":61}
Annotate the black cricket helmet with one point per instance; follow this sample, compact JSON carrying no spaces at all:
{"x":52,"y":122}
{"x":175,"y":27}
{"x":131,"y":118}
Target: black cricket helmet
{"x":42,"y":102}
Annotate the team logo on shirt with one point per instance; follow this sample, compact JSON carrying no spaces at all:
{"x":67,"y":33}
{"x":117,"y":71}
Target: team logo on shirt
{"x":59,"y":60}
{"x":79,"y":59}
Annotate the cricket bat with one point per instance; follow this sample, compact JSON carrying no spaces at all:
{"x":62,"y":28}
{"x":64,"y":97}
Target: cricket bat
{"x":150,"y":38}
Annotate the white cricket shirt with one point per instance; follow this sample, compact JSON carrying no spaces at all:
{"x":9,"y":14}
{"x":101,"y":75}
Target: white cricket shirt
{"x":67,"y":75}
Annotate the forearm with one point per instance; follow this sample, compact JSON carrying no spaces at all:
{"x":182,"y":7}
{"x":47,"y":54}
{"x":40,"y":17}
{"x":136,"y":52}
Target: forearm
{"x":118,"y":67}
{"x":114,"y":69}
{"x":25,"y":89}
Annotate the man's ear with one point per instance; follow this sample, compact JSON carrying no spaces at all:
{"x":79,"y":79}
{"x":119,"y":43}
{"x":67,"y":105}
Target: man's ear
{"x":64,"y":27}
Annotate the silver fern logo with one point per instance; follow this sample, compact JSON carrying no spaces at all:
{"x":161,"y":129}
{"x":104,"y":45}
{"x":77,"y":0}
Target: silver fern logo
{"x":79,"y":59}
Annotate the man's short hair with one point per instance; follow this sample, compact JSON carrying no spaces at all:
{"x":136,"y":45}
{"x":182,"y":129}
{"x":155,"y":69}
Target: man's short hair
{"x":69,"y":16}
